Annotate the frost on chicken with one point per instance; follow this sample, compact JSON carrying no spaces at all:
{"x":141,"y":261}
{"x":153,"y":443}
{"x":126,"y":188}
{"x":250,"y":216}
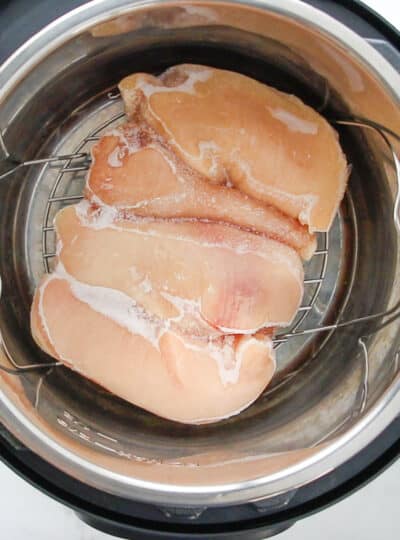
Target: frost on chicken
{"x":185,"y":253}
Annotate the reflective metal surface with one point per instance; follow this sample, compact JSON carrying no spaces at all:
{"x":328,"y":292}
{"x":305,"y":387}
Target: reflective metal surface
{"x":328,"y":399}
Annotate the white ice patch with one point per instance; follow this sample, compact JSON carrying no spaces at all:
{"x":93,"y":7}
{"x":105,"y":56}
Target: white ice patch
{"x":99,"y":218}
{"x":269,"y":250}
{"x":209,"y":149}
{"x":293,"y":122}
{"x":125,"y":312}
{"x":146,"y":285}
{"x":127,"y":145}
{"x":306,"y":201}
{"x":229,"y":358}
{"x":114,"y":158}
{"x":130,"y":144}
{"x":114,"y":305}
{"x":118,"y":307}
{"x":305,"y":214}
{"x":188,"y":86}
{"x":229,"y":365}
{"x":130,"y":140}
{"x":183,"y":305}
{"x":221,"y":350}
{"x":187,"y":309}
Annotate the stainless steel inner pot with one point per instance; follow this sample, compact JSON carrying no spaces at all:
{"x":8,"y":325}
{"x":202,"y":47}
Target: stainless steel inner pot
{"x":333,"y":392}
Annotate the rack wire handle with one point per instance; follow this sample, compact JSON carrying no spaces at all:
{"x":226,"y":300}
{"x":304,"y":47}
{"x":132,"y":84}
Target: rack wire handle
{"x":383,"y":132}
{"x":20,"y":370}
{"x":15,"y":165}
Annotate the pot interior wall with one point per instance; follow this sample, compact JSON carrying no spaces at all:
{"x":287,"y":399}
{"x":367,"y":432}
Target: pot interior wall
{"x":323,"y":386}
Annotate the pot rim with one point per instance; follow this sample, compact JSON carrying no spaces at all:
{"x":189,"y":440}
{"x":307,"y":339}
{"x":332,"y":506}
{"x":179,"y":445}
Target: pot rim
{"x":345,"y":446}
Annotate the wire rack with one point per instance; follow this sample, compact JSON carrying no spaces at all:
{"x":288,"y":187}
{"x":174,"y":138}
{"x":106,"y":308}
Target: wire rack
{"x":63,"y":179}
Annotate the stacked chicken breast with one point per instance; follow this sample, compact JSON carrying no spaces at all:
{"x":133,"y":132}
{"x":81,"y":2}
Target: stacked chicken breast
{"x":186,"y":252}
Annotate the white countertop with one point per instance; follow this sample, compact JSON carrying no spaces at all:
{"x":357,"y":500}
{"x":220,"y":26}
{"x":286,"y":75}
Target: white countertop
{"x":389,"y":9}
{"x":369,"y":514}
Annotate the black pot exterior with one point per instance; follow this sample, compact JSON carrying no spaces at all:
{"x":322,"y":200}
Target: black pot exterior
{"x":20,"y":19}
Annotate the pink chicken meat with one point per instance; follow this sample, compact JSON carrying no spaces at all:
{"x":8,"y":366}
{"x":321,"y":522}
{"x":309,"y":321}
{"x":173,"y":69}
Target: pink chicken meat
{"x":203,"y":276}
{"x":190,"y":381}
{"x":237,"y":131}
{"x":185,"y":254}
{"x":136,"y":171}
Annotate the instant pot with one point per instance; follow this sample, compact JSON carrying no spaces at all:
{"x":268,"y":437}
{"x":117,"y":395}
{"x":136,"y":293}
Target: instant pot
{"x":329,"y":422}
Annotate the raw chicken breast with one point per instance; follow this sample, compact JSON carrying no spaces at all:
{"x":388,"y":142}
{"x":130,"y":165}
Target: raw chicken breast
{"x":115,"y":345}
{"x":235,"y":130}
{"x":184,"y":255}
{"x":134,"y":169}
{"x":201,"y":276}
